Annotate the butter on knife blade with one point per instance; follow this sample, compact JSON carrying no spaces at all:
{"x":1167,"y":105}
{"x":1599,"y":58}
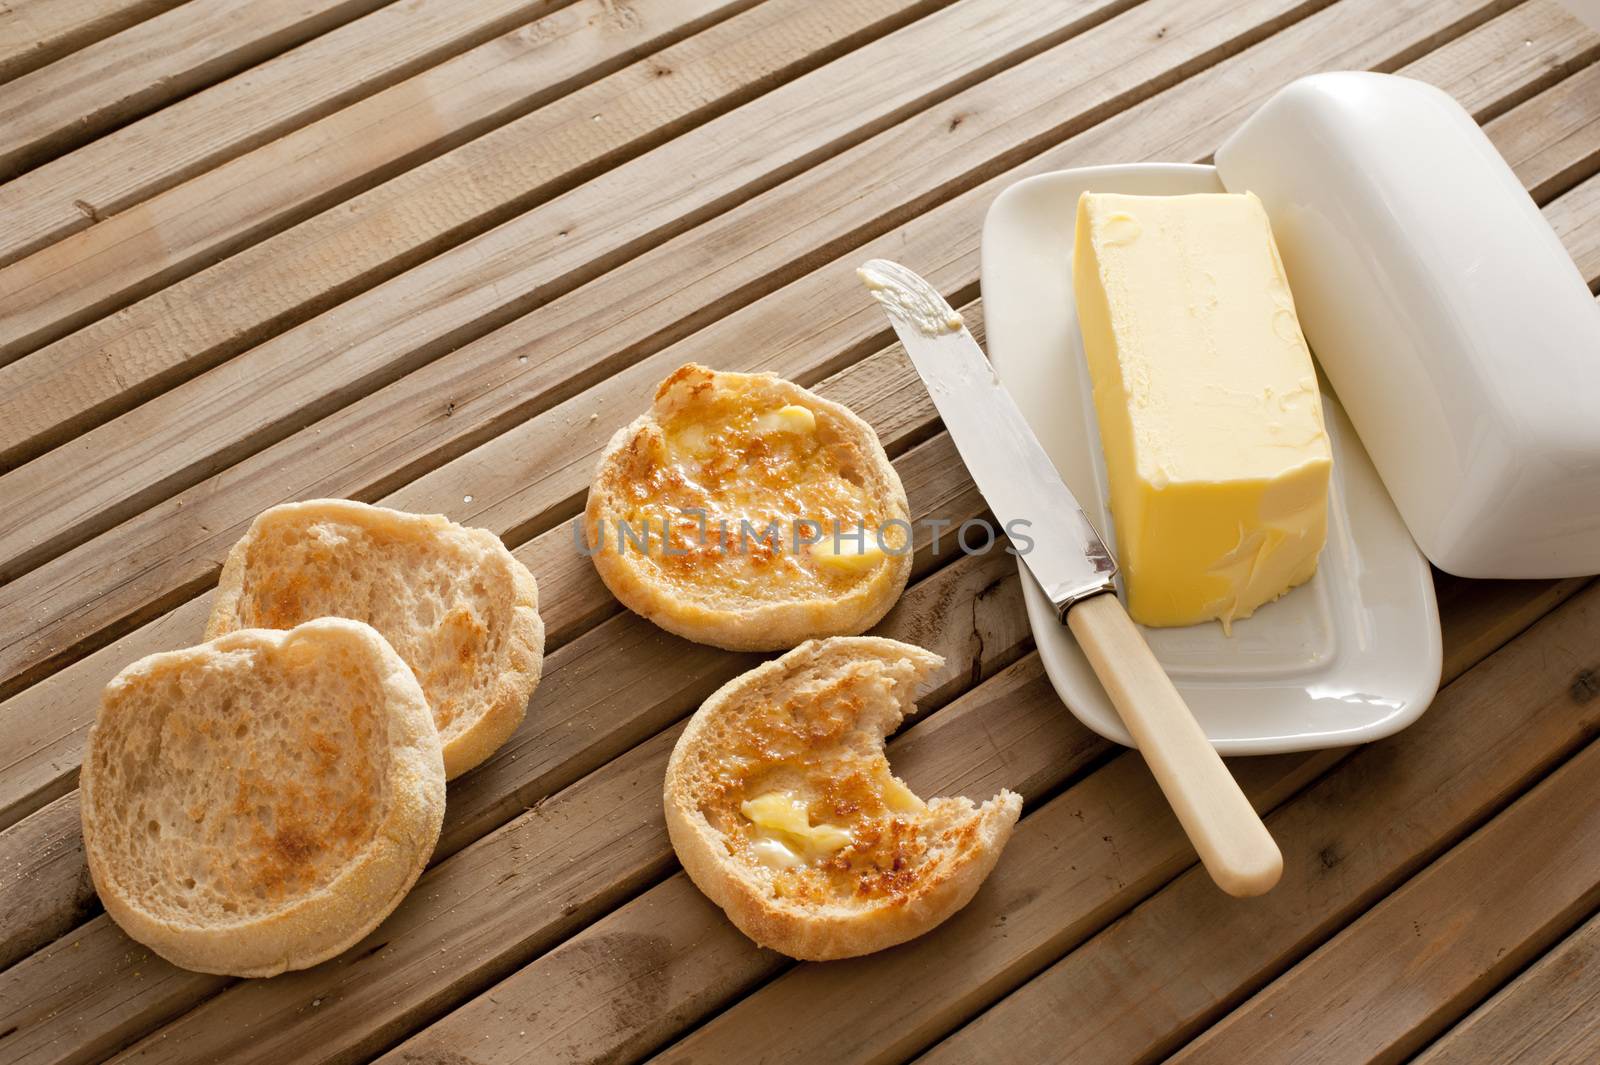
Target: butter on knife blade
{"x":1006,"y":461}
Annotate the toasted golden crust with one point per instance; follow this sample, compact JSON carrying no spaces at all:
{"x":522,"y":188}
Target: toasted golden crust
{"x":810,"y":726}
{"x":739,"y":590}
{"x":458,"y":607}
{"x":262,"y":801}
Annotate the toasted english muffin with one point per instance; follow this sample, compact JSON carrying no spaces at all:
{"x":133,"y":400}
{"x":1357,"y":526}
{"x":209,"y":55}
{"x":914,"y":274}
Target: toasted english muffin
{"x":704,"y":475}
{"x":458,"y":607}
{"x":781,"y":806}
{"x":260,"y":802}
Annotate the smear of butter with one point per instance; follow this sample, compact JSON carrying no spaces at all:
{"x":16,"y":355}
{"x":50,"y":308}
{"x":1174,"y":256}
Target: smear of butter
{"x":908,"y":298}
{"x":782,"y":821}
{"x":901,"y":799}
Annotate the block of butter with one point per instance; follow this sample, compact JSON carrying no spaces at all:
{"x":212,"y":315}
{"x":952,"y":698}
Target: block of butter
{"x":1210,"y":418}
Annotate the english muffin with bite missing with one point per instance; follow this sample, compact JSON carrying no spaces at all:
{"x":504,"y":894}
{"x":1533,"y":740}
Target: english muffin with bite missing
{"x":748,"y":513}
{"x":782,"y":808}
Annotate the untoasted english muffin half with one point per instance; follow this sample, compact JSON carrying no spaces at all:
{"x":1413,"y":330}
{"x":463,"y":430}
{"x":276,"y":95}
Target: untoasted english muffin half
{"x":746,"y":512}
{"x":262,"y":801}
{"x":781,"y":806}
{"x":458,"y":607}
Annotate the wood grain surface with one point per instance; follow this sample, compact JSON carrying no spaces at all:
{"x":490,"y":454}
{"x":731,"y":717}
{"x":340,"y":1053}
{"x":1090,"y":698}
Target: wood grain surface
{"x":36,"y":32}
{"x":1546,"y":1016}
{"x":432,"y":254}
{"x":149,"y":64}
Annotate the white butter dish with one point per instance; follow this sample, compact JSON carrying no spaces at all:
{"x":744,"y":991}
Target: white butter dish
{"x":1450,"y":320}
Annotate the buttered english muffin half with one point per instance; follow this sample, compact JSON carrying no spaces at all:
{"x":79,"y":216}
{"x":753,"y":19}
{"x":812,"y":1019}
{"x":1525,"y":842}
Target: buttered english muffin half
{"x":746,"y":512}
{"x":261,"y":802}
{"x":781,"y":806}
{"x":458,"y":607}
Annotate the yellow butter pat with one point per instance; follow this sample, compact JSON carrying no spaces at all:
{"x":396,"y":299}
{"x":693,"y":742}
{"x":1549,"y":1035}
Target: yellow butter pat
{"x":1210,"y":417}
{"x":851,"y":554}
{"x":790,"y":419}
{"x":781,"y":818}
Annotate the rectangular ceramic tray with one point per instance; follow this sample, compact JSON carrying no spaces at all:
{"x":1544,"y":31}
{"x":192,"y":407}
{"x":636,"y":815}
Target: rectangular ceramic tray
{"x":1348,"y":657}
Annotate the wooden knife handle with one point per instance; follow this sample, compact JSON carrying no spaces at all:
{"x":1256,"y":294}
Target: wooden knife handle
{"x":1225,"y":829}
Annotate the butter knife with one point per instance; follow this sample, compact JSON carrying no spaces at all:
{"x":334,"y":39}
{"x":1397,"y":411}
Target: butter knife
{"x":1076,"y":571}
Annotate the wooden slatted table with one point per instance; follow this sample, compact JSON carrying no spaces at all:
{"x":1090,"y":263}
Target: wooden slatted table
{"x":432,"y":253}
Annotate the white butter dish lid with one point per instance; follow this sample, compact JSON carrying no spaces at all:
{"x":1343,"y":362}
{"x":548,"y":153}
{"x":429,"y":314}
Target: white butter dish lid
{"x":1448,"y":316}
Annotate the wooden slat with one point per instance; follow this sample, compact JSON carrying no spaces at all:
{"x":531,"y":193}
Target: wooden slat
{"x":96,"y":1006}
{"x":36,"y":32}
{"x":513,"y":469}
{"x":1162,"y":127}
{"x":1413,"y":964}
{"x":1540,"y":140}
{"x":198,"y":132}
{"x":149,"y":64}
{"x":570,"y":342}
{"x":1125,"y":994}
{"x":1498,"y":66}
{"x":112,"y":365}
{"x":186,"y":228}
{"x":1479,"y":615}
{"x":1545,"y":1017}
{"x":45,"y":889}
{"x":550,"y":749}
{"x":190,"y":226}
{"x":1114,"y":1029}
{"x":69,"y":600}
{"x":1570,"y":216}
{"x":651,"y":1005}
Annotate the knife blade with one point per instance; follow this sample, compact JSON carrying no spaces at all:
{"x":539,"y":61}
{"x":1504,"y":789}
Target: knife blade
{"x":1009,"y":466}
{"x":1072,"y":565}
